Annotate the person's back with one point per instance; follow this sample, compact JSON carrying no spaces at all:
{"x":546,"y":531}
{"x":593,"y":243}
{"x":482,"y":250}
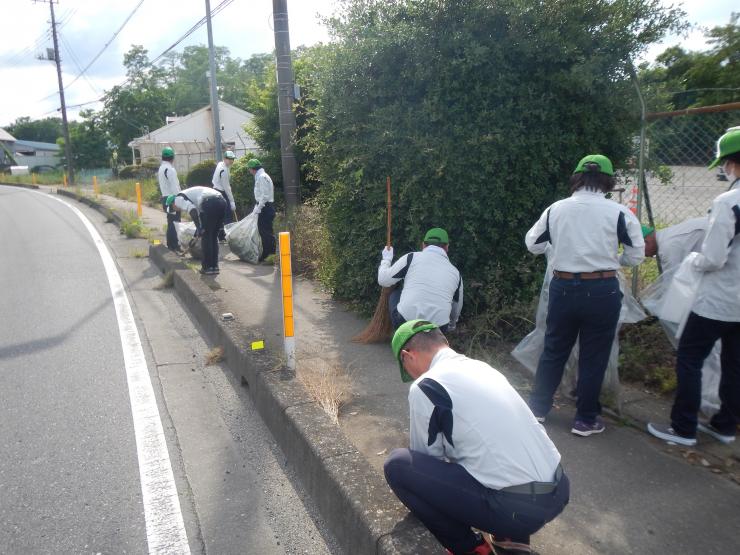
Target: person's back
{"x":197,"y":194}
{"x":429,"y":286}
{"x":169,"y":184}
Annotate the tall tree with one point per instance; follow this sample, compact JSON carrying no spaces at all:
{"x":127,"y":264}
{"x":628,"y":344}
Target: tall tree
{"x":45,"y":130}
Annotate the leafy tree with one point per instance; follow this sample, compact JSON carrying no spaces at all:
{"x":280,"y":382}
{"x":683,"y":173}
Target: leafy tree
{"x":478,"y":125}
{"x":90,"y":147}
{"x":46,"y":130}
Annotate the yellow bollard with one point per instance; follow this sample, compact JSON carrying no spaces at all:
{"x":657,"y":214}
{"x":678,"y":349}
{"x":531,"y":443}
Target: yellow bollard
{"x":64,"y":179}
{"x":286,"y":282}
{"x":33,"y":178}
{"x":138,"y":200}
{"x":95,"y":184}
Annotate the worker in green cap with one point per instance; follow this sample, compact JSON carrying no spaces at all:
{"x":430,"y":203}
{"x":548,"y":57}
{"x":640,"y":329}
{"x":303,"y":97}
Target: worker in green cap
{"x":264,"y":198}
{"x":715,"y":315}
{"x":477,"y":457}
{"x":583,"y":233}
{"x":432,"y":286}
{"x":169,"y":185}
{"x":221,"y":182}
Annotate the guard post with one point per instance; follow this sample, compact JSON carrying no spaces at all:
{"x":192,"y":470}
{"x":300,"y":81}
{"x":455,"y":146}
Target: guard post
{"x":286,"y":284}
{"x":138,"y":200}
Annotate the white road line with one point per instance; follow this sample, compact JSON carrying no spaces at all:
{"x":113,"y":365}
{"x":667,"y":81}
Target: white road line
{"x":165,"y":529}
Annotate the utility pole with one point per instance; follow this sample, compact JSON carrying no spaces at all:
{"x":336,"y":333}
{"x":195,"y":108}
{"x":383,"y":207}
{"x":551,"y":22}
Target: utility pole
{"x":65,"y":123}
{"x":214,"y":90}
{"x":285,"y":103}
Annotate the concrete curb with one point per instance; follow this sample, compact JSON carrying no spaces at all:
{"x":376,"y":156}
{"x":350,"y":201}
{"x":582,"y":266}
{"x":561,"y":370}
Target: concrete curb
{"x":22,"y":185}
{"x":110,"y":215}
{"x":356,"y":504}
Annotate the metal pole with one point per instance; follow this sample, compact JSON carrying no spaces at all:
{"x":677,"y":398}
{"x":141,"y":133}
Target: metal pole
{"x":214,"y":91}
{"x":640,"y":163}
{"x":284,"y":65}
{"x":65,"y":124}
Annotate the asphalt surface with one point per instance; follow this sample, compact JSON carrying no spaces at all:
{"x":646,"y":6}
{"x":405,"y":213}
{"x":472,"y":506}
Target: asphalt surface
{"x":69,"y":477}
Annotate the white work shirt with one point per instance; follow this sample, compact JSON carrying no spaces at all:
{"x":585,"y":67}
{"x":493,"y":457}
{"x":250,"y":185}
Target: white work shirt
{"x":585,"y":231}
{"x":193,"y":197}
{"x":432,"y":287}
{"x":221,"y":182}
{"x":167,"y":177}
{"x":466,"y":412}
{"x":718,"y":297}
{"x":263,"y":189}
{"x":677,"y":241}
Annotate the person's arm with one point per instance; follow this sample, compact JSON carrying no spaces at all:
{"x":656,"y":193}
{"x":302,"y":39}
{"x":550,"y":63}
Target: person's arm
{"x":629,"y":232}
{"x":171,"y":174}
{"x":227,"y":187}
{"x":457,"y":304}
{"x":262,"y":193}
{"x":715,"y":249}
{"x":390,"y":274}
{"x":538,"y":237}
{"x":187,"y":206}
{"x":420,"y":413}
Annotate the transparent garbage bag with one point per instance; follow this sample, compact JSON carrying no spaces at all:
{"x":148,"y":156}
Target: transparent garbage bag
{"x":185,"y":234}
{"x":244,"y":239}
{"x":529,"y":349}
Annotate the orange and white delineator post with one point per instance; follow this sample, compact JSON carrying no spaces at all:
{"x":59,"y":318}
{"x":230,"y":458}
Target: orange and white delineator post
{"x":138,"y":200}
{"x":286,"y":284}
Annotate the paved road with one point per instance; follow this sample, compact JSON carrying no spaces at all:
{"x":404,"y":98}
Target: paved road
{"x":69,"y":470}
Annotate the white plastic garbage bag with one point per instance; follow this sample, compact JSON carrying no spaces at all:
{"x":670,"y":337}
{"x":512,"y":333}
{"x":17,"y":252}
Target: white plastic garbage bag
{"x":529,"y":349}
{"x":244,"y":239}
{"x":185,"y":233}
{"x":681,"y":293}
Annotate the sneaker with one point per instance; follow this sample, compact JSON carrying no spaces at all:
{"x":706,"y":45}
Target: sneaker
{"x":508,"y":547}
{"x":215,"y":271}
{"x":205,"y":271}
{"x":715,"y":433}
{"x":669,"y":434}
{"x":585,"y":429}
{"x":540,"y":419}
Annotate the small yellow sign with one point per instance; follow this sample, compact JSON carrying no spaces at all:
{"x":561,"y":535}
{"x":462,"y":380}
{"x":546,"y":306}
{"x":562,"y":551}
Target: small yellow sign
{"x":156,"y":242}
{"x":257,"y":345}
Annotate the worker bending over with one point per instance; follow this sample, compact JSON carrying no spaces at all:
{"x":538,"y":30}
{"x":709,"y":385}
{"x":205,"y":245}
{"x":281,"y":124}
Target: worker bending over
{"x":477,"y":456}
{"x":432,"y":286}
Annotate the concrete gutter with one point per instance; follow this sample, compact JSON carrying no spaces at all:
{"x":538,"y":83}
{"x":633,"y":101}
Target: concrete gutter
{"x":354,"y":501}
{"x":22,"y":185}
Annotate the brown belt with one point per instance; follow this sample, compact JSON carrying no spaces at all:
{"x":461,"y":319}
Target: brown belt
{"x":585,"y":275}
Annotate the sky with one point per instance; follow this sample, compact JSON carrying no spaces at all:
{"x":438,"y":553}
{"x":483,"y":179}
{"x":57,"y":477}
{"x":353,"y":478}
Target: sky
{"x":28,"y":86}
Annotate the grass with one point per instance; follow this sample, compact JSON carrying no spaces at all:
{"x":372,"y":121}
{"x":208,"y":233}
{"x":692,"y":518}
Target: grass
{"x":125,"y":189}
{"x":168,"y":281}
{"x":133,"y":228}
{"x":647,"y":357}
{"x":327,"y":381}
{"x":138,"y":253}
{"x":51,"y":178}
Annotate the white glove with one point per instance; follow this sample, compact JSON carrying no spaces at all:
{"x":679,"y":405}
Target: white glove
{"x":257,"y":209}
{"x":451,"y":326}
{"x":387,"y":253}
{"x":233,"y":206}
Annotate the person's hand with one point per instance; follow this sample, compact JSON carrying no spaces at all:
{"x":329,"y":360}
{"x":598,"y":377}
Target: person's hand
{"x":387,"y":254}
{"x":198,"y":232}
{"x":233,"y":206}
{"x":257,"y":209}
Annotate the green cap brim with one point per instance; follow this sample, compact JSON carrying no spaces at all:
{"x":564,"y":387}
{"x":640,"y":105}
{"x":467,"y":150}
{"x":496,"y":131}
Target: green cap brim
{"x":714,"y":164}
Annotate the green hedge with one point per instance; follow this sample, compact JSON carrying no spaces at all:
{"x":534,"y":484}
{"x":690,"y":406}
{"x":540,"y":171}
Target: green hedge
{"x":479,"y":111}
{"x":201,"y":174}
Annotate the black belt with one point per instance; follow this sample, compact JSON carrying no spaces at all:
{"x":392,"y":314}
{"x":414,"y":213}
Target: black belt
{"x":537,"y":488}
{"x":600,"y":274}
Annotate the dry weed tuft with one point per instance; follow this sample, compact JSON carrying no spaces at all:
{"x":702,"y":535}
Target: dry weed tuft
{"x":327,"y":381}
{"x":168,"y":281}
{"x":214,"y":356}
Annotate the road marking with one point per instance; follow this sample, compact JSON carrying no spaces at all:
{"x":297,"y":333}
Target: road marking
{"x":165,"y":529}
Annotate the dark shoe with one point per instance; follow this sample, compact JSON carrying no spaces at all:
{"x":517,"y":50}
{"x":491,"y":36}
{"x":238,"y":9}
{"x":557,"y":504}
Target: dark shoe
{"x":667,"y":433}
{"x":715,"y":433}
{"x":205,"y":271}
{"x":585,"y":429}
{"x":214,"y":270}
{"x":481,"y":549}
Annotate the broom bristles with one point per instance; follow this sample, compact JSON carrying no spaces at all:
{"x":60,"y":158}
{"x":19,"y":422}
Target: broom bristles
{"x":380,"y":327}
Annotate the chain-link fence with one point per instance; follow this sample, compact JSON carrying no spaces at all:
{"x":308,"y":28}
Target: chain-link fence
{"x":676,"y":150}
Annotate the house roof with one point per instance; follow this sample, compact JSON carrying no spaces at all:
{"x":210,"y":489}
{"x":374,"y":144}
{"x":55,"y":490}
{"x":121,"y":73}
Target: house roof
{"x":35,"y":145}
{"x":5,"y":136}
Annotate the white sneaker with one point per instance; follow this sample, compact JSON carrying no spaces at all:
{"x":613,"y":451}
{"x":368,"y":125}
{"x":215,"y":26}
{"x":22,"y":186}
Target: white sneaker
{"x":712,"y":431}
{"x":669,"y":434}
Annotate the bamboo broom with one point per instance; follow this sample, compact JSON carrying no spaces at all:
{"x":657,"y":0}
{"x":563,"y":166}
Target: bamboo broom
{"x":380,"y":327}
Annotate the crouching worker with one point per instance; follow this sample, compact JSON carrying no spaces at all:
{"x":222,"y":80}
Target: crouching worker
{"x":477,"y":457}
{"x":206,"y":207}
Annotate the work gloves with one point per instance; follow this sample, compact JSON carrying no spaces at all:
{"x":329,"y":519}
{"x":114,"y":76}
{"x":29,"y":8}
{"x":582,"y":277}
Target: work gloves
{"x":198,"y":232}
{"x":233,"y":206}
{"x":387,"y":254}
{"x":257,"y":209}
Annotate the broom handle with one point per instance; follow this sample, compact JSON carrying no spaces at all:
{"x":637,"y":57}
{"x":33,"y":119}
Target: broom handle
{"x":388,"y":211}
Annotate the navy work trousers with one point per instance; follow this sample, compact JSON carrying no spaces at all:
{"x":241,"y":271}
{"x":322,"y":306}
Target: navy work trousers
{"x":211,"y":219}
{"x":172,"y":217}
{"x":264,"y":226}
{"x":448,"y":500}
{"x":585,"y":309}
{"x":697,"y":340}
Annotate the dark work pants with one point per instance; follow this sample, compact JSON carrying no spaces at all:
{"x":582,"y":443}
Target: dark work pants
{"x":264,"y":225}
{"x":211,"y":219}
{"x":449,"y":501}
{"x":228,"y":218}
{"x":396,"y":318}
{"x":585,"y":309}
{"x":172,"y":217}
{"x":697,"y":340}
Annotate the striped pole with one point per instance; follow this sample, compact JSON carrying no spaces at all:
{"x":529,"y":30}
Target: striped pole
{"x":286,"y":283}
{"x":64,"y":180}
{"x":95,"y":184}
{"x":138,"y":200}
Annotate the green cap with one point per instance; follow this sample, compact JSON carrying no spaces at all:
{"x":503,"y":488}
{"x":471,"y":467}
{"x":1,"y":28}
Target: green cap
{"x":729,"y":143}
{"x":230,"y":155}
{"x":253,"y":163}
{"x":406,"y":331}
{"x":168,"y":152}
{"x":436,"y":236}
{"x":605,"y":165}
{"x":170,"y":199}
{"x":647,"y":230}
